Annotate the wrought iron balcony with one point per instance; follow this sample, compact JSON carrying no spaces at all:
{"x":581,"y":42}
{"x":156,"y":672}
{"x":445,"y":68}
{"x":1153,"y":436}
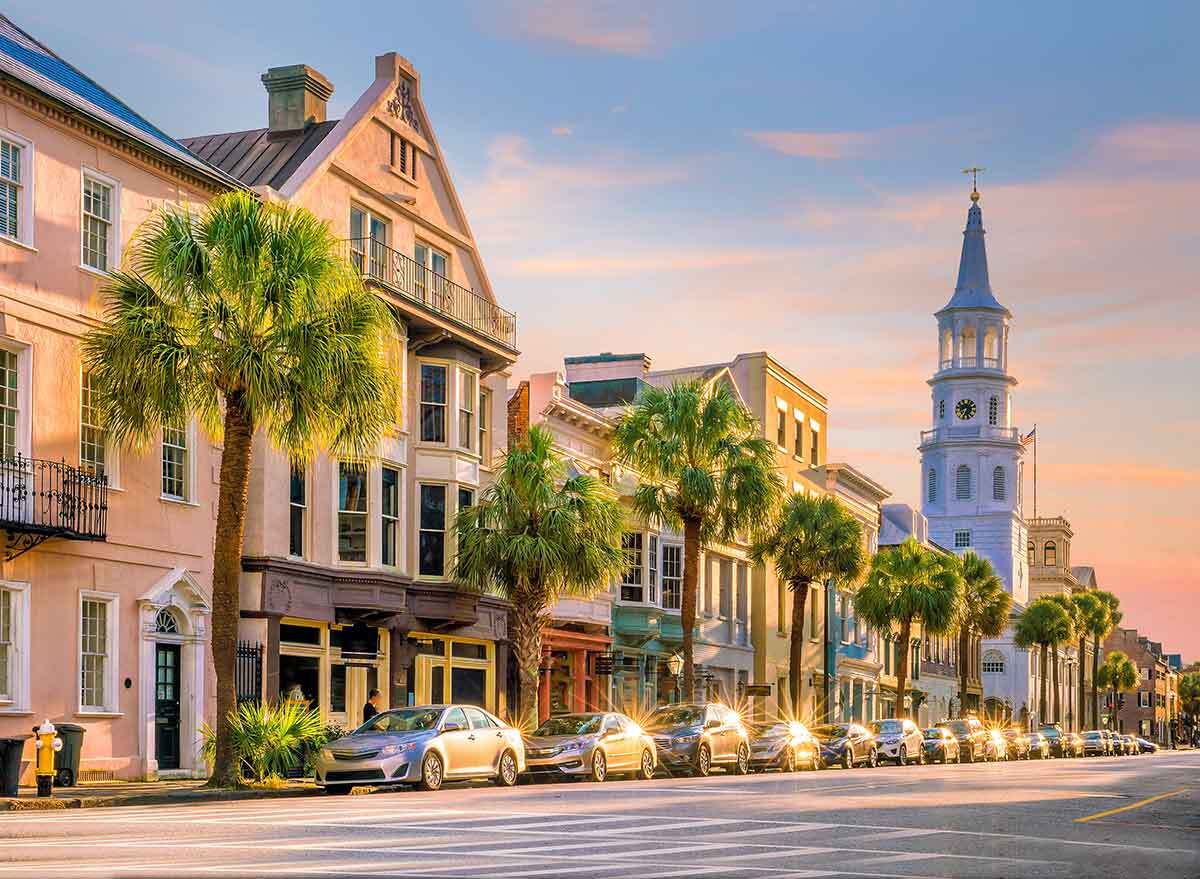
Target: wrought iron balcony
{"x":409,"y":279}
{"x":44,"y":499}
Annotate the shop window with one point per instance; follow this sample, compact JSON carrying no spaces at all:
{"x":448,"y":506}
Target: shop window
{"x":300,"y":679}
{"x":468,"y":650}
{"x":309,"y":636}
{"x":432,"y":538}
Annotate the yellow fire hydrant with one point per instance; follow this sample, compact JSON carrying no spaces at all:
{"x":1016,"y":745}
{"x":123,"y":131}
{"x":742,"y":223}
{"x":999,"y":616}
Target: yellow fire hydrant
{"x":47,"y":744}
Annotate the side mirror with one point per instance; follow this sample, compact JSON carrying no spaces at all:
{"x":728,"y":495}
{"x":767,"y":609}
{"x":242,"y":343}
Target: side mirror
{"x":712,"y":724}
{"x":451,"y":726}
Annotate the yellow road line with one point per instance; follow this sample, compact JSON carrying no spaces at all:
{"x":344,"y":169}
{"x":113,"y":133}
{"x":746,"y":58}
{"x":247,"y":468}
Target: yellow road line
{"x":1136,"y":805}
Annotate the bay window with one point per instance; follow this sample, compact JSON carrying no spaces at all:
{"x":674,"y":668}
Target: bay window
{"x":433,"y":403}
{"x":352,"y":512}
{"x":631,"y":582}
{"x":672,"y":576}
{"x":389,"y":515}
{"x":485,"y":417}
{"x":467,"y":400}
{"x":297,"y":508}
{"x":432,"y":537}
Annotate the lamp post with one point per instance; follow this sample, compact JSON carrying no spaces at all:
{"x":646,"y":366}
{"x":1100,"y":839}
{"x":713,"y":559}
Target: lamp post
{"x":675,"y":668}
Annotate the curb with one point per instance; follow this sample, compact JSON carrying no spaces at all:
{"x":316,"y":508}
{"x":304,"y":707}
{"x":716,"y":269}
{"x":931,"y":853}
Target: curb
{"x":55,"y":804}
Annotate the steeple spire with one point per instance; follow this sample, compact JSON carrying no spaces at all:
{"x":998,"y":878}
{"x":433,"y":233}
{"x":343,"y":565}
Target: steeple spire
{"x":974,"y":289}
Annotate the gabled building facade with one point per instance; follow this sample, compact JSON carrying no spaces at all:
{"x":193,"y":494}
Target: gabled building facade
{"x":346,"y":570}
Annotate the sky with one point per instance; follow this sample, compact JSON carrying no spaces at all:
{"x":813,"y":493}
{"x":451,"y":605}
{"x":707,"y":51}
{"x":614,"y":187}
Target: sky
{"x":693,"y":180}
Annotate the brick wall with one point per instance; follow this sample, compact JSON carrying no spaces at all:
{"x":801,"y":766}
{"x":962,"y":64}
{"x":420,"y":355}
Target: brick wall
{"x":518,"y":414}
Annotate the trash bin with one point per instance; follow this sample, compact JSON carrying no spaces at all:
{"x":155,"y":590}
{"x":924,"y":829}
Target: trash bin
{"x":66,"y":761}
{"x":10,"y":764}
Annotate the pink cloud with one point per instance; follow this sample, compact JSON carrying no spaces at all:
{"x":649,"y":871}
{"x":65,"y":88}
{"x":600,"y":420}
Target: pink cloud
{"x":1154,"y":142}
{"x":815,"y":144}
{"x":611,"y":27}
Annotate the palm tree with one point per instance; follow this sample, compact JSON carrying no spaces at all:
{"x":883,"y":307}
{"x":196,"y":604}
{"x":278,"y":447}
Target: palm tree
{"x":907,"y":586}
{"x":1110,"y":622}
{"x":247,"y":318}
{"x":534,"y":537}
{"x":1118,"y":674}
{"x":703,"y":467}
{"x":1068,"y":605}
{"x":1092,"y":618}
{"x":1043,"y":623}
{"x":983,"y":611}
{"x":814,"y":540}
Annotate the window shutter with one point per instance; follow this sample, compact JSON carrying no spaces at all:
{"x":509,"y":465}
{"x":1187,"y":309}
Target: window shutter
{"x":932,"y":491}
{"x":998,"y":484}
{"x":962,"y":483}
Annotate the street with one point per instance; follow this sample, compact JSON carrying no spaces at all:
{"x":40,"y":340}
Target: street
{"x":983,"y":820}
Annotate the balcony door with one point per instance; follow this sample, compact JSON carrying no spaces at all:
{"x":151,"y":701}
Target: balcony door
{"x":369,"y":244}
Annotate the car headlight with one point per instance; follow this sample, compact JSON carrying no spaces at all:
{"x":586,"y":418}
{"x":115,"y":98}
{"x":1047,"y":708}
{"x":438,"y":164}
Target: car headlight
{"x":685,"y":740}
{"x":397,"y":748}
{"x":568,"y":747}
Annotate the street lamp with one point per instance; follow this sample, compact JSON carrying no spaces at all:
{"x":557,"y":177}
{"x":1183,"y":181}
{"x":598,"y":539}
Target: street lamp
{"x":675,"y":665}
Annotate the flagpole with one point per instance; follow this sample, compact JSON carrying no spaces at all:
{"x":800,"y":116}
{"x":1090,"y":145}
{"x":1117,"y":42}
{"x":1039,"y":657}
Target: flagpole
{"x":1035,"y":445}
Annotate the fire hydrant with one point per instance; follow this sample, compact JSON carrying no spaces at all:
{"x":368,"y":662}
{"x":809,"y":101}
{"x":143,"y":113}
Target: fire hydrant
{"x":47,"y":744}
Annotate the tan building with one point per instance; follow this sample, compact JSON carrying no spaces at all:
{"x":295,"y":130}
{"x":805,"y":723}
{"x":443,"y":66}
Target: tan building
{"x":346,"y":563}
{"x":105,"y":582}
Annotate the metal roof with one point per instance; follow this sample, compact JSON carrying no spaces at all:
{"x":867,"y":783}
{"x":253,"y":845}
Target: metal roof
{"x":258,"y":156}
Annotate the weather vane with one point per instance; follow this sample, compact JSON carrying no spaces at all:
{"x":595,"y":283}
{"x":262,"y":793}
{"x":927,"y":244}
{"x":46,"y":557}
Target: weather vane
{"x":974,"y":172}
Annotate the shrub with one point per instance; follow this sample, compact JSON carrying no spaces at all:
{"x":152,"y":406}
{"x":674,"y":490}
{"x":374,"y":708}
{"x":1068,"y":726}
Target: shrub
{"x":270,"y":740}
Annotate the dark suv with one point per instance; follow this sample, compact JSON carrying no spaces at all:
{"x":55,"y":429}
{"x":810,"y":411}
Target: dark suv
{"x":972,"y":737}
{"x":696,"y":737}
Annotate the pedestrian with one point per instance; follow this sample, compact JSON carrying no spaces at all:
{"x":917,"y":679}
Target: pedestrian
{"x":372,"y":707}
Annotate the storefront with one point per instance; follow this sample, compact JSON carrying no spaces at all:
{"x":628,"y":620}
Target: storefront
{"x":332,"y":667}
{"x":569,"y":679}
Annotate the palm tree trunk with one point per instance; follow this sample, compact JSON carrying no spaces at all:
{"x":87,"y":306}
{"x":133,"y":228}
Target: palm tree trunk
{"x":964,"y":647}
{"x":227,"y":569}
{"x":902,"y":665}
{"x":1057,"y":685}
{"x":1095,"y":689}
{"x":1042,"y":663}
{"x":800,"y":590}
{"x":527,"y":621}
{"x":1081,"y":717}
{"x":691,"y":579}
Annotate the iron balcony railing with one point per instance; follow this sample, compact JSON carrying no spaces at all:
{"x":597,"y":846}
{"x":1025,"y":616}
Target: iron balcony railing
{"x":43,"y":499}
{"x":408,"y":278}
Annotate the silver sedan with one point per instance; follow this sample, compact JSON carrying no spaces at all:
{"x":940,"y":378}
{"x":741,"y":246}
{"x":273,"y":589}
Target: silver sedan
{"x":423,"y":746}
{"x":592,"y":745}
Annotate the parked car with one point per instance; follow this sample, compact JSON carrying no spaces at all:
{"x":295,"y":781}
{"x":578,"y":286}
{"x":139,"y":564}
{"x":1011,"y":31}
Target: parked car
{"x":899,"y":740}
{"x":424,"y":746}
{"x":1128,"y":746}
{"x":1114,"y":743}
{"x":1095,"y":744}
{"x":593,"y":745}
{"x":971,"y":735}
{"x":1145,"y":746}
{"x":1061,"y":745}
{"x":1073,"y":744}
{"x":1039,"y":746}
{"x":695,"y":737}
{"x":997,"y":745}
{"x":784,"y":745}
{"x":846,"y":745}
{"x":1017,"y":741}
{"x":941,"y":746}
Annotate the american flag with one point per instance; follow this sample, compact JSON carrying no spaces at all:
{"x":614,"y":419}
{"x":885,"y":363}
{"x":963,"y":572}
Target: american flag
{"x":1029,"y":437}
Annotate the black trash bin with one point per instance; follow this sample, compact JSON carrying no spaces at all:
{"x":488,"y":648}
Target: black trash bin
{"x":10,"y":764}
{"x":66,"y":761}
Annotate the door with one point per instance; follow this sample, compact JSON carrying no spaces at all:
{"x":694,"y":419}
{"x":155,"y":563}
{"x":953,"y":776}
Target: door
{"x":462,"y":752}
{"x":487,"y":741}
{"x":616,"y":742}
{"x":166,"y":705}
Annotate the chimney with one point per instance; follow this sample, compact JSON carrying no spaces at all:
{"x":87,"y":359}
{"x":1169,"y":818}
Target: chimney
{"x":296,"y":97}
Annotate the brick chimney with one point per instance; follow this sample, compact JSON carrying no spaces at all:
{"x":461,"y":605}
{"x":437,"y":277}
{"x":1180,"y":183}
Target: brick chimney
{"x":296,"y":97}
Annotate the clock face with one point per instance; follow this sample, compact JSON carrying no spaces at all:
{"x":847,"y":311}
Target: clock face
{"x":965,"y":409}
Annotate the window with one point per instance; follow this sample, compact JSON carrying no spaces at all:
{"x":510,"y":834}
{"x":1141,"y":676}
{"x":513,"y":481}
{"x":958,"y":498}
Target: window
{"x":781,"y":429}
{"x":725,"y":608}
{"x":672,"y":576}
{"x":931,"y":485}
{"x":815,"y":433}
{"x":389,"y":515}
{"x":14,"y":644}
{"x":941,"y":410}
{"x":962,"y":538}
{"x":10,"y":410}
{"x":175,"y":462}
{"x":915,"y":662}
{"x":433,"y":268}
{"x":993,"y":410}
{"x":297,"y":507}
{"x":652,"y":570}
{"x":1050,"y":554}
{"x":1143,"y":699}
{"x":6,"y":644}
{"x":485,"y":417}
{"x":368,"y":244}
{"x":998,"y":487}
{"x":844,"y":617}
{"x":993,"y":663}
{"x":742,"y":604}
{"x":781,"y":608}
{"x":403,"y":157}
{"x":1031,"y":551}
{"x":798,"y":449}
{"x":962,"y":483}
{"x":631,"y":582}
{"x":14,"y":172}
{"x":96,"y":227}
{"x":433,"y":403}
{"x":432,"y":538}
{"x":97,"y":653}
{"x":91,"y":435}
{"x":887,"y":656}
{"x":352,"y":512}
{"x":467,"y":400}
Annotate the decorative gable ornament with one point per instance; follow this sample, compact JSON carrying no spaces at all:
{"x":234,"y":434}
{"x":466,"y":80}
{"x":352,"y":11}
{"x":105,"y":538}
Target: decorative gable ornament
{"x":401,"y":106}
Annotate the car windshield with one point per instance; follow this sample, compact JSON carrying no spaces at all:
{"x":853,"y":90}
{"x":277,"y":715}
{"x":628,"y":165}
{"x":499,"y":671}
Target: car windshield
{"x":570,"y":725}
{"x":675,"y":716}
{"x":1091,"y":735}
{"x":775,"y":730}
{"x":1050,"y":732}
{"x":403,"y":720}
{"x":934,"y":733}
{"x":831,"y":731}
{"x":887,"y":726}
{"x":958,"y":727}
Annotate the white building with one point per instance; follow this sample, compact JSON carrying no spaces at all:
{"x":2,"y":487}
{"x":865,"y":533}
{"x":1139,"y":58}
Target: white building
{"x":971,"y":457}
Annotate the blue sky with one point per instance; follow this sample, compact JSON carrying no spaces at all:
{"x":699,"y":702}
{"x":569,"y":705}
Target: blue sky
{"x":703,"y":179}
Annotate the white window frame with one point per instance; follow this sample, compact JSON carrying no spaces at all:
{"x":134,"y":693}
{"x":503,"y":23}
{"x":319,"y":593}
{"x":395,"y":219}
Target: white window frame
{"x":814,"y":442}
{"x":653,"y":548}
{"x":397,"y":519}
{"x":367,"y":471}
{"x":468,"y":379}
{"x":367,"y":256}
{"x":447,"y":369}
{"x":959,"y":495}
{"x":23,"y":438}
{"x":111,"y":706}
{"x":639,"y":566}
{"x":447,"y":516}
{"x":189,"y":467}
{"x":676,"y":579}
{"x":485,"y":425}
{"x":114,"y":222}
{"x":112,"y":458}
{"x":304,"y":506}
{"x":798,"y":440}
{"x":25,"y":191}
{"x":16,"y":700}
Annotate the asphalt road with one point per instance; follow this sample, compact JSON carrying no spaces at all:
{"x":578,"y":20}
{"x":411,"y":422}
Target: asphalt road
{"x":1060,"y":818}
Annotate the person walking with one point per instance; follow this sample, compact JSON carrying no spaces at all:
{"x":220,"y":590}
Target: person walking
{"x":372,"y":706}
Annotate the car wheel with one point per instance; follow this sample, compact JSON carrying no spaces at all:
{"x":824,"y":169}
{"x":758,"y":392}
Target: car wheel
{"x":599,"y":765}
{"x":703,"y":761}
{"x":507,"y":776}
{"x":646,"y":770}
{"x":787,"y":763}
{"x":742,"y":767}
{"x":431,"y":772}
{"x":338,"y":790}
{"x":816,"y":761}
{"x":902,"y":756}
{"x":921,"y":757}
{"x":847,"y":758}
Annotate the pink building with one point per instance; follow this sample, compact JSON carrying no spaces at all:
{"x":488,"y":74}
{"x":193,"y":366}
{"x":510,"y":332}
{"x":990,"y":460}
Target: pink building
{"x":106,"y":567}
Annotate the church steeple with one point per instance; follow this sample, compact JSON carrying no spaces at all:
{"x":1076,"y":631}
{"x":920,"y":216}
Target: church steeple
{"x":974,"y":289}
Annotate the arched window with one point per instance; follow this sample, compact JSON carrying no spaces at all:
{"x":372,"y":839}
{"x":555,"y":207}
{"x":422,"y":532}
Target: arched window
{"x":991,"y":348}
{"x":993,"y":663}
{"x":966,"y":347}
{"x":962,"y":483}
{"x":1050,"y":554}
{"x":998,"y":484}
{"x":932,"y":489}
{"x":947,"y":351}
{"x":993,"y":410}
{"x":165,"y":622}
{"x":1031,"y":550}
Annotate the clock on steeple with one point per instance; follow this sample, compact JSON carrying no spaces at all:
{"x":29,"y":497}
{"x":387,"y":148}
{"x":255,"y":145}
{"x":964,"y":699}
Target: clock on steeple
{"x":965,"y":409}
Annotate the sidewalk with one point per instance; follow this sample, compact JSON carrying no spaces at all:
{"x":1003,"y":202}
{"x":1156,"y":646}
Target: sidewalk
{"x":144,"y":793}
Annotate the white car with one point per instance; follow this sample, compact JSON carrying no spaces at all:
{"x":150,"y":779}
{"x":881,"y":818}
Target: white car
{"x":899,"y":740}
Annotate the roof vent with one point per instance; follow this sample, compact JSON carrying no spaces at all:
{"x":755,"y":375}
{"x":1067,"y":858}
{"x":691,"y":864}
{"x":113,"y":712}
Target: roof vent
{"x":296,"y":97}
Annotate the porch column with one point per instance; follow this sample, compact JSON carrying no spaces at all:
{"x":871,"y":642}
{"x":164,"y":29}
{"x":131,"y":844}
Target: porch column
{"x":400,"y":658}
{"x":579,"y":674}
{"x":544,"y":685}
